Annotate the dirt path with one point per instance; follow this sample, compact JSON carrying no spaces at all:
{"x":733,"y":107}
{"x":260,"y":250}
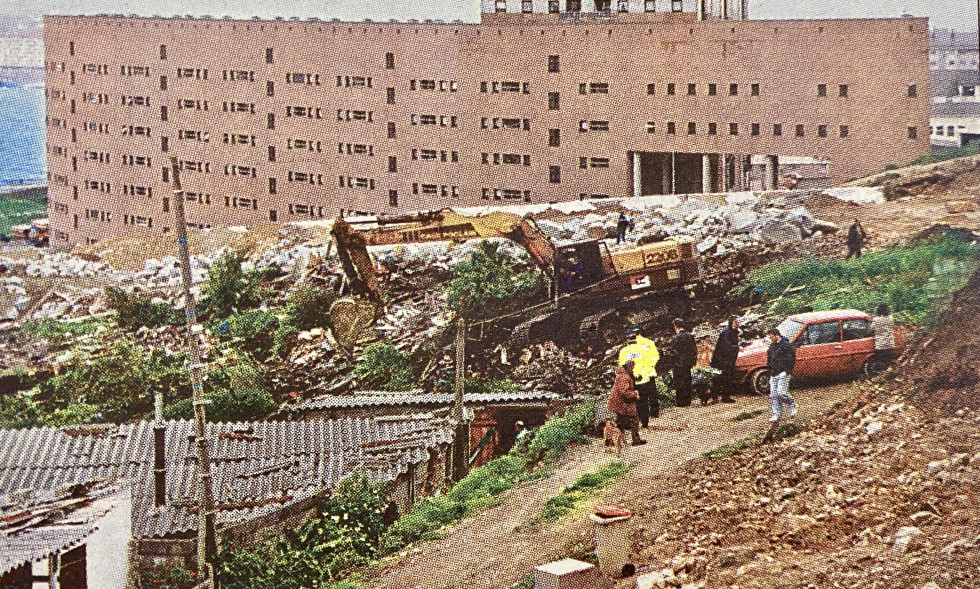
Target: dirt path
{"x":485,"y":551}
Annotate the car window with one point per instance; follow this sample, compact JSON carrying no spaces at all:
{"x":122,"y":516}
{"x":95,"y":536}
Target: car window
{"x":789,"y":328}
{"x":823,"y":333}
{"x":857,"y":329}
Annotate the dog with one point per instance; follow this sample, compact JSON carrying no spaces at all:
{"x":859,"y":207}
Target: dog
{"x":701,"y":387}
{"x":615,"y":439}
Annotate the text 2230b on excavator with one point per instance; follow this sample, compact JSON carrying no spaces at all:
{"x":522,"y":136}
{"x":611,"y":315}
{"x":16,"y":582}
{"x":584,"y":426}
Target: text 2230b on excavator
{"x":589,"y":282}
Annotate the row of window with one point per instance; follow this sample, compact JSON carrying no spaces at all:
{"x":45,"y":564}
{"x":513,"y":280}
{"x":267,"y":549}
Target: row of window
{"x":441,"y":85}
{"x":353,"y":182}
{"x":134,"y":70}
{"x":237,"y":75}
{"x":603,"y":7}
{"x":441,"y":120}
{"x":133,"y":190}
{"x":505,"y":123}
{"x":307,"y":177}
{"x":948,"y":131}
{"x":515,"y":159}
{"x":506,"y":87}
{"x":692,"y":89}
{"x":506,"y":194}
{"x":755,"y":129}
{"x":432,"y":189}
{"x":431,"y":155}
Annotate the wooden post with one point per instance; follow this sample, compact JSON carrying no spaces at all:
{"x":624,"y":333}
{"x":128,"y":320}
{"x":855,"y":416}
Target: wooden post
{"x":206,"y":544}
{"x":461,"y":439}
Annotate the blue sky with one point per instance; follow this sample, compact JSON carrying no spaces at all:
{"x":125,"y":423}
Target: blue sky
{"x":958,"y":14}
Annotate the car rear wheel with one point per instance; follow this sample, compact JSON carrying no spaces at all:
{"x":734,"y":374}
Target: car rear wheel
{"x":875,"y":365}
{"x":759,"y":382}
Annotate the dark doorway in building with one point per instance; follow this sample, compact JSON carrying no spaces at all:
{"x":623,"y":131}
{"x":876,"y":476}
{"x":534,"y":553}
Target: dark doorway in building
{"x":676,"y":173}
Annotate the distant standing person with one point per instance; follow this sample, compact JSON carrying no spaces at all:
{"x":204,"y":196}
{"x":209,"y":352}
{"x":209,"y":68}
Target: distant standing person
{"x":856,"y":237}
{"x":684,"y":355}
{"x":622,"y":402}
{"x":724,"y":358}
{"x":621,"y":227}
{"x":781,"y":359}
{"x":645,"y":355}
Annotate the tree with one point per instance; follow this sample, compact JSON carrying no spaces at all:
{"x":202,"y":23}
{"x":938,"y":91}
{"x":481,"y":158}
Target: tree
{"x":487,"y":284}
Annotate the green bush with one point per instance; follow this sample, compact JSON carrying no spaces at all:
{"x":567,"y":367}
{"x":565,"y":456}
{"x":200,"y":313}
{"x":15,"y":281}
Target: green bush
{"x":19,"y":411}
{"x":234,"y":393}
{"x":74,"y":414}
{"x":883,"y":178}
{"x":135,"y":310}
{"x":309,"y":307}
{"x":487,"y":284}
{"x":343,"y":536}
{"x":164,"y":575}
{"x":554,"y":437}
{"x":230,"y":288}
{"x":60,"y":331}
{"x":120,"y":380}
{"x":942,"y":155}
{"x":915,"y":280}
{"x":386,"y":368}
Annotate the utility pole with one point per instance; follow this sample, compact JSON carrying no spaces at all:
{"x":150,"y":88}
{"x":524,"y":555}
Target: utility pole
{"x":461,"y":439}
{"x":206,"y":544}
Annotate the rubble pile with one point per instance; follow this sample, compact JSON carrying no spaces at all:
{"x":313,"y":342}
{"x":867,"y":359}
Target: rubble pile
{"x":881,"y":497}
{"x":547,"y":367}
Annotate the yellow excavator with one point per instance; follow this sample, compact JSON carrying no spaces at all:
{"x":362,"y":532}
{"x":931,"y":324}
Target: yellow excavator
{"x":580,"y":271}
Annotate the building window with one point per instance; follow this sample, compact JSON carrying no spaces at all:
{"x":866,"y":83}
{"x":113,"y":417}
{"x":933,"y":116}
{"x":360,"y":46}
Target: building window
{"x":733,"y":89}
{"x":554,"y":65}
{"x":844,"y":131}
{"x":842,"y":91}
{"x":692,"y":89}
{"x":599,"y":88}
{"x":692,"y":128}
{"x":712,"y":89}
{"x":913,"y":133}
{"x":597,"y":125}
{"x":271,"y":121}
{"x":777,"y":130}
{"x":582,"y":88}
{"x":164,"y":144}
{"x":821,"y":90}
{"x":393,"y":198}
{"x":391,"y":130}
{"x":651,"y":88}
{"x":268,"y":55}
{"x":712,"y":128}
{"x":272,"y":153}
{"x":554,"y":174}
{"x":392,"y":163}
{"x":163,"y":82}
{"x":651,"y":127}
{"x":671,"y":89}
{"x":389,"y":61}
{"x":913,"y":91}
{"x":821,"y":130}
{"x":573,"y":5}
{"x":163,"y":113}
{"x":163,"y":52}
{"x":649,"y":5}
{"x":553,"y":100}
{"x":553,"y":7}
{"x":527,"y":6}
{"x":500,"y":6}
{"x":755,"y":89}
{"x":270,"y":88}
{"x":756,"y":128}
{"x":799,"y":131}
{"x":554,"y":137}
{"x":733,"y":128}
{"x":272,"y":185}
{"x":583,"y":162}
{"x":677,"y":5}
{"x":391,"y":96}
{"x":671,"y":128}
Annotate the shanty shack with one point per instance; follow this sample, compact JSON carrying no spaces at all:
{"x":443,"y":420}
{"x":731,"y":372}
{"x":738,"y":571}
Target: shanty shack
{"x":266,"y":475}
{"x":492,"y":415}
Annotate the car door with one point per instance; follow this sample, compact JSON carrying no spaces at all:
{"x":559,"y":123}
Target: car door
{"x":819,"y":350}
{"x":859,"y":343}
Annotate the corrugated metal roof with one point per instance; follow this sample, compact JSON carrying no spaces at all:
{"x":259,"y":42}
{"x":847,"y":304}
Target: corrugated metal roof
{"x":51,"y":528}
{"x":413,"y":398}
{"x":256,"y":467}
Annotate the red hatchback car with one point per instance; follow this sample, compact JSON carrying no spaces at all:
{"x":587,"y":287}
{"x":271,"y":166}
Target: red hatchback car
{"x":828,"y":344}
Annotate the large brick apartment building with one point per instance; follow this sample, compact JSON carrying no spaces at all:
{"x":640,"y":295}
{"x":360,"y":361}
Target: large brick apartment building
{"x":542,"y":101}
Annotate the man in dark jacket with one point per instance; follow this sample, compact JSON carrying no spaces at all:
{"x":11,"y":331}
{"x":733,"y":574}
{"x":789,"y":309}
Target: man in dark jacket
{"x":621,"y":227}
{"x":683,"y":355}
{"x":855,"y":239}
{"x":781,"y":359}
{"x":723,"y":359}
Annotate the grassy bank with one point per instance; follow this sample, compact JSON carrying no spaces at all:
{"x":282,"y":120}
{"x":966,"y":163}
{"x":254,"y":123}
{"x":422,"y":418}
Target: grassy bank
{"x":915,"y":280}
{"x":15,"y":210}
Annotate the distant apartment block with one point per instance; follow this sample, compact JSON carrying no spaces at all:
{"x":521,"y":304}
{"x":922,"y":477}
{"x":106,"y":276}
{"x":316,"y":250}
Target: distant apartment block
{"x":544,"y":100}
{"x":953,"y":50}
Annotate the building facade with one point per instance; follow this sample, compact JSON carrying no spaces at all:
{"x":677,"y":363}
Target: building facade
{"x":953,"y":50}
{"x":291,"y":120}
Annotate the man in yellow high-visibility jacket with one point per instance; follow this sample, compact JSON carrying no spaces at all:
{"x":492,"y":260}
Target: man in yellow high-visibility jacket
{"x":645,"y":356}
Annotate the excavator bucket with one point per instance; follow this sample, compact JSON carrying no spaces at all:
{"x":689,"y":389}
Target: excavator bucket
{"x":351,"y":320}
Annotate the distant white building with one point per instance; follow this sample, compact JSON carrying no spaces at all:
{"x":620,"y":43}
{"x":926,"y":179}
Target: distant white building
{"x":954,"y":124}
{"x":21,"y":52}
{"x":953,"y":50}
